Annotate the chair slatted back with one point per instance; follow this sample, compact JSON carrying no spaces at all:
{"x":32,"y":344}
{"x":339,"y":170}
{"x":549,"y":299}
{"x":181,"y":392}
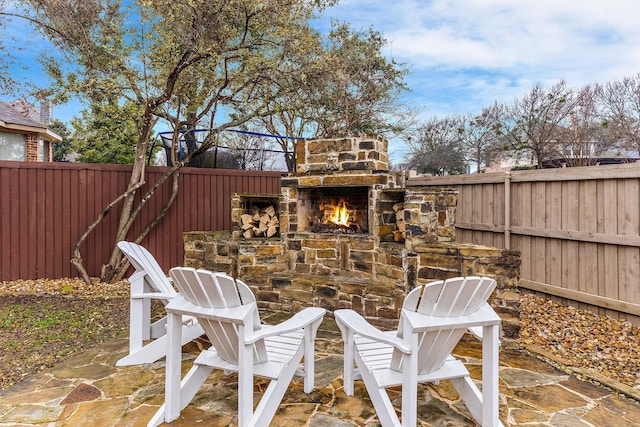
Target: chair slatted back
{"x":143,"y":261}
{"x":218,"y":290}
{"x":454,"y":297}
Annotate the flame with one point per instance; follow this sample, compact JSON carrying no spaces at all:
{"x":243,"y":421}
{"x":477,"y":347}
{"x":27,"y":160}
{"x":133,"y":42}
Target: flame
{"x":340,"y":214}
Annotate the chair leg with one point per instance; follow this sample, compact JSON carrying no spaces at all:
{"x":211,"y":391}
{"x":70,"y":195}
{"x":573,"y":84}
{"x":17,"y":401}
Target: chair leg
{"x":348,"y":369}
{"x":490,"y":375}
{"x":139,"y":312}
{"x":410,"y":379}
{"x":379,"y":397}
{"x":245,"y":377}
{"x":409,"y":391}
{"x":139,"y":323}
{"x":177,"y":393}
{"x":309,"y":361}
{"x":483,"y":405}
{"x":173,"y":370}
{"x":275,"y":392}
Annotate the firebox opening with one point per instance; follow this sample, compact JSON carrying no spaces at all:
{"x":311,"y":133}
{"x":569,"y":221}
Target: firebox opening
{"x":334,"y":210}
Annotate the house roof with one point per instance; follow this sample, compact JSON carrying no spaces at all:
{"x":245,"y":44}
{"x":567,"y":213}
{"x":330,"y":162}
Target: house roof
{"x":13,"y":120}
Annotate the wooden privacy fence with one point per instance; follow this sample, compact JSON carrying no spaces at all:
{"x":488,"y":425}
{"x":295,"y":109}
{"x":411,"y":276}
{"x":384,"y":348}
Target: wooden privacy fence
{"x":578,"y":230}
{"x":45,"y":208}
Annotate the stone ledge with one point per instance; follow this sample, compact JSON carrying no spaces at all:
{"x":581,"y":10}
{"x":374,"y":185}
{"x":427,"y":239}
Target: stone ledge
{"x":311,"y":278}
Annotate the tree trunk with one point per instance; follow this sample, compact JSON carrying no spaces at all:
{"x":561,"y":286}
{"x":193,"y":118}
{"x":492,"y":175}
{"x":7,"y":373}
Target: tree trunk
{"x":136,"y":180}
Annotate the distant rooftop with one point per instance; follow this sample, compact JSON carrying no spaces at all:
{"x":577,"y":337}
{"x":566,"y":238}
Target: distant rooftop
{"x":20,"y":116}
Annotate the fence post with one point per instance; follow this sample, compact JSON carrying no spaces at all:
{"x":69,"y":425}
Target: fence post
{"x":507,"y":210}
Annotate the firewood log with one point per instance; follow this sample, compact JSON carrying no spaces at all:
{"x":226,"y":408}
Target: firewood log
{"x":398,"y":207}
{"x":272,"y":230}
{"x":246,"y":219}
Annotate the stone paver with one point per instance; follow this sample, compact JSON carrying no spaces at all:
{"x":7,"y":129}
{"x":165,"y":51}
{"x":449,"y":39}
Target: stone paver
{"x":88,"y":390}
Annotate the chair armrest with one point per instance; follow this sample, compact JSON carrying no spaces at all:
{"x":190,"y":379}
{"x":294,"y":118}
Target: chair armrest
{"x":298,"y":321}
{"x":156,"y":295}
{"x":357,"y":324}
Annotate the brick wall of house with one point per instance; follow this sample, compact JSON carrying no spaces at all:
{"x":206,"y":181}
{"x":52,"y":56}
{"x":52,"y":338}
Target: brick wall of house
{"x":32,"y":147}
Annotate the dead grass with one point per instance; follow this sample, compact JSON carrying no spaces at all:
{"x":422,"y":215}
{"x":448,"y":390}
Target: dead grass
{"x":38,"y":330}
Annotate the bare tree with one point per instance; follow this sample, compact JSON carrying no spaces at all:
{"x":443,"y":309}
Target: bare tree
{"x":251,"y":151}
{"x":582,"y":137}
{"x":620,"y":102}
{"x":480,"y":137}
{"x":531,"y":123}
{"x":436,"y":147}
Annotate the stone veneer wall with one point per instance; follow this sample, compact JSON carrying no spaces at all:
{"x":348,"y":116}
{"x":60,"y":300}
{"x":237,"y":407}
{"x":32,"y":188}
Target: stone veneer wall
{"x":376,"y":284}
{"x":369,"y":272}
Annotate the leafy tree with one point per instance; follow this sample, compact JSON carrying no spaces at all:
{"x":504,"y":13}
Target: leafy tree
{"x":360,"y":90}
{"x":339,"y":84}
{"x":106,"y":133}
{"x":436,"y":148}
{"x":62,"y":149}
{"x":179,"y":60}
{"x":8,"y":81}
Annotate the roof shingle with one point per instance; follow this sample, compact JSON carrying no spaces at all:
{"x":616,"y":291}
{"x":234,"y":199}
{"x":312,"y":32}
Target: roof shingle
{"x":8,"y":114}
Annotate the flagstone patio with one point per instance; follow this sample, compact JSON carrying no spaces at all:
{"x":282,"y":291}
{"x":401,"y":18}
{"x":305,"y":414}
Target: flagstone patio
{"x":88,"y":389}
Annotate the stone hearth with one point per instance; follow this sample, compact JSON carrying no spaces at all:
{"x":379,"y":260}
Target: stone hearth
{"x":403,"y":236}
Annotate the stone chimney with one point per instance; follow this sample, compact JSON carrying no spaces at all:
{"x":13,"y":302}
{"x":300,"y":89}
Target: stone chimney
{"x":45,"y":112}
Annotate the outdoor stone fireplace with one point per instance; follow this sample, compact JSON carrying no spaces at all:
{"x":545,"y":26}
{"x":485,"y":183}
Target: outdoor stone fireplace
{"x":393,"y":237}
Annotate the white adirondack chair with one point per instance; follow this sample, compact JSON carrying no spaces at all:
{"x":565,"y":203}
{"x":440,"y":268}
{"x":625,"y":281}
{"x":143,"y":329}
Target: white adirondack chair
{"x":433,"y":319}
{"x":149,"y":282}
{"x":227,"y":310}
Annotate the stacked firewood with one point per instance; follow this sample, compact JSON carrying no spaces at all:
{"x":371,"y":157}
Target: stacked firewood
{"x":260,"y":223}
{"x":401,"y":233}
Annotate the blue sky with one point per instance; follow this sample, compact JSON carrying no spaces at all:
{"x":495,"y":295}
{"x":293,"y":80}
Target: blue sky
{"x":465,"y":54}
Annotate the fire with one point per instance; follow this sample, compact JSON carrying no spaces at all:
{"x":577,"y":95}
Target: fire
{"x":340,"y":214}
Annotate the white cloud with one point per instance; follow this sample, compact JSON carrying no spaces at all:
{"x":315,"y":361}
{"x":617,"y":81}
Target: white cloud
{"x":466,"y":54}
